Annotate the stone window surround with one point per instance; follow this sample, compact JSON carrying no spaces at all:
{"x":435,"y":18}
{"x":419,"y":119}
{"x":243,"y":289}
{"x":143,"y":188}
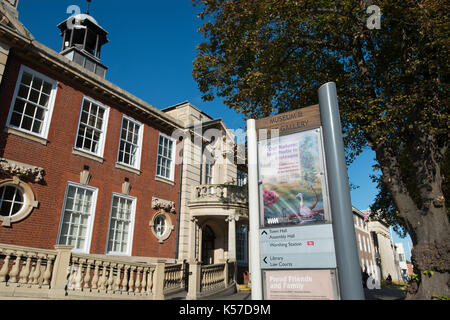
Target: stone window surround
{"x":164,"y":207}
{"x":29,"y":201}
{"x":169,"y":226}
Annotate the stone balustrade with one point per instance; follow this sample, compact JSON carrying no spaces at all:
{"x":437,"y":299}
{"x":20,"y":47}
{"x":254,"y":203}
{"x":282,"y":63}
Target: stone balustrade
{"x":26,"y":269}
{"x":108,"y":277}
{"x":173,"y":278}
{"x":212,"y":277}
{"x":208,"y":280}
{"x":59,"y":273}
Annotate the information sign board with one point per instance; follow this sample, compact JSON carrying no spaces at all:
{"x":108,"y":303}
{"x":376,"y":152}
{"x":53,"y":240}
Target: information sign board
{"x":301,"y":247}
{"x":291,"y":169}
{"x":300,"y":285}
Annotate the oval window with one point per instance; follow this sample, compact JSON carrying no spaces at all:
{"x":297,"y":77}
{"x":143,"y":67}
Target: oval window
{"x":160,"y":225}
{"x":16,"y":201}
{"x":11,"y":200}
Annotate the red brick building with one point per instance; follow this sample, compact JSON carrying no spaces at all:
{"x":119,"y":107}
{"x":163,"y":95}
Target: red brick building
{"x":83,"y":162}
{"x":365,"y":246}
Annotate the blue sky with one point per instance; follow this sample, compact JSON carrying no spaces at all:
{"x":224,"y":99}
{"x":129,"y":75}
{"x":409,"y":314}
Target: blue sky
{"x":150,"y":54}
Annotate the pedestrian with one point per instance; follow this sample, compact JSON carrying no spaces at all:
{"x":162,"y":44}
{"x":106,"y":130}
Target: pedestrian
{"x":365,"y":276}
{"x":389,"y":279}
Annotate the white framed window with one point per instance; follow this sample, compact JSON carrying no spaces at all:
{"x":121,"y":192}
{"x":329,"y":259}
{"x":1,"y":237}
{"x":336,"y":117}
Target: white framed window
{"x":165,"y":164}
{"x":11,"y":200}
{"x":160,"y":225}
{"x":121,"y":224}
{"x":242,"y":244}
{"x":130,"y":142}
{"x":360,"y":244}
{"x":92,"y":126}
{"x":32,"y":104}
{"x":78,"y":216}
{"x":209,"y":172}
{"x":17,"y":201}
{"x":241,"y":178}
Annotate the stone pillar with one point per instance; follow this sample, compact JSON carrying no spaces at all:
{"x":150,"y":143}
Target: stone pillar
{"x":60,"y":270}
{"x":192,"y":244}
{"x":4,"y":52}
{"x":200,"y":244}
{"x":225,"y":274}
{"x":232,"y":236}
{"x":158,"y":280}
{"x":194,"y":280}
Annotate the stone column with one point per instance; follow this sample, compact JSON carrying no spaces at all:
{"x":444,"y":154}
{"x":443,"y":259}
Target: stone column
{"x":225,"y":274}
{"x":60,"y":270}
{"x":200,"y":244}
{"x":4,"y":53}
{"x":194,"y":280}
{"x":158,"y":280}
{"x":231,"y":219}
{"x":192,"y":244}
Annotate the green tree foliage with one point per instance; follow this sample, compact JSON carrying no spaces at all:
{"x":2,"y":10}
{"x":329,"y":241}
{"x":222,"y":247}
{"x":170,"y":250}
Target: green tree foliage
{"x":270,"y":56}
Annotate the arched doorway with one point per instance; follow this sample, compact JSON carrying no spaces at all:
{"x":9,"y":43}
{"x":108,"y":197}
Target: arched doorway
{"x":208,"y":239}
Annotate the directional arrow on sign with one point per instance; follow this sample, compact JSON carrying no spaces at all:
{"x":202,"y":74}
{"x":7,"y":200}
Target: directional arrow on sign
{"x":265,"y":260}
{"x":264,"y":232}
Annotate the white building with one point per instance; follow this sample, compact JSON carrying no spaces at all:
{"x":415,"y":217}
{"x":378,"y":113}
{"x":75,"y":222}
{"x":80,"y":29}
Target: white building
{"x":385,"y":252}
{"x":366,"y":252}
{"x":402,"y":261}
{"x":214,"y":203}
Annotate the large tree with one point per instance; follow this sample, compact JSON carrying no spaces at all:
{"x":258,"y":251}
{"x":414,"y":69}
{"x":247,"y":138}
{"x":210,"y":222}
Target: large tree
{"x":268,"y":56}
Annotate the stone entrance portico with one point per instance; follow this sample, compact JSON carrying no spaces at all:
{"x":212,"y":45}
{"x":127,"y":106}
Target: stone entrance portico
{"x":220,"y":209}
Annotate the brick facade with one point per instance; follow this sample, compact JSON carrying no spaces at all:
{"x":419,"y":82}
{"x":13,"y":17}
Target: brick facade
{"x":40,"y":228}
{"x":364,"y":243}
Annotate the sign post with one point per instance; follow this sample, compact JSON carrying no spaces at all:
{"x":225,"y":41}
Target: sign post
{"x":344,"y":230}
{"x":253,"y":204}
{"x":296,"y":241}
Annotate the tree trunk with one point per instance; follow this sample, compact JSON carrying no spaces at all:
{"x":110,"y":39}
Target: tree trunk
{"x":431,"y":255}
{"x":429,"y":229}
{"x":427,"y":224}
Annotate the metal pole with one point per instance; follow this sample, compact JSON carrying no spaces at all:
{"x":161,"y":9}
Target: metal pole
{"x":349,"y":271}
{"x":253,"y":208}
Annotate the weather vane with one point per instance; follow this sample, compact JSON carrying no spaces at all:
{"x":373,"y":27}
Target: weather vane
{"x":88,"y":3}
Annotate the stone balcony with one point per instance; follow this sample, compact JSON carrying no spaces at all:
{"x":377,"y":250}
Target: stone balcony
{"x":218,"y":197}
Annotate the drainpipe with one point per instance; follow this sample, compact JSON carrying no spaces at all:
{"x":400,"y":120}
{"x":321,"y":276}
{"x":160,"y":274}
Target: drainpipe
{"x":179,"y":202}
